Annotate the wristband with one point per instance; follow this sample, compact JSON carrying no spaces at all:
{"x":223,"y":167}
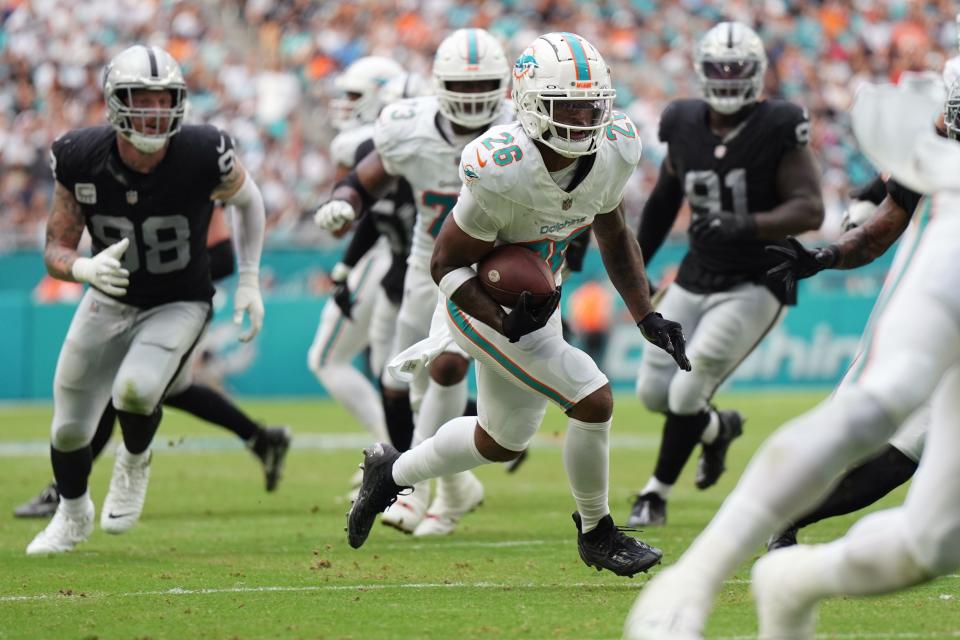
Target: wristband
{"x":455,"y":279}
{"x":339,"y":272}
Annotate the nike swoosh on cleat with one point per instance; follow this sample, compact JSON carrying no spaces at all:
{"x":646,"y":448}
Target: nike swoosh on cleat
{"x":118,"y":515}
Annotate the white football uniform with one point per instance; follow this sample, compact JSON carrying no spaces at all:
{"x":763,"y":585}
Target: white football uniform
{"x":509,"y":197}
{"x":411,"y":145}
{"x":339,"y":339}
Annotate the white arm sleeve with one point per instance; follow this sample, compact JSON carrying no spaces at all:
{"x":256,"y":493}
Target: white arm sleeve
{"x":248,"y":225}
{"x":473,"y":219}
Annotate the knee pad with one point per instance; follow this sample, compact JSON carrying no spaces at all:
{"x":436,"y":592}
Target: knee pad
{"x":71,"y":436}
{"x":866,"y":423}
{"x":137,"y":392}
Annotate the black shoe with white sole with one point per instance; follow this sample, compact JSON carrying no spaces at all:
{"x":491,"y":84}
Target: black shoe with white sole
{"x":608,"y":547}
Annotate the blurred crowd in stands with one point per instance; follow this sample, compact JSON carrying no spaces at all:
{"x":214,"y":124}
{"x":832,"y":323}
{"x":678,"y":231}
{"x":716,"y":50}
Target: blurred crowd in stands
{"x":263,"y":70}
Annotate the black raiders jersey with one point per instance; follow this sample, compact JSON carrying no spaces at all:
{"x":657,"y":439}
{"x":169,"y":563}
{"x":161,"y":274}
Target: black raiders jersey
{"x":736,"y":173}
{"x":165,"y":213}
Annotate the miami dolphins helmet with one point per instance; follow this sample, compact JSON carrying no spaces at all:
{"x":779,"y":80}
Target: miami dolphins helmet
{"x":563,"y":93}
{"x":470,"y":55}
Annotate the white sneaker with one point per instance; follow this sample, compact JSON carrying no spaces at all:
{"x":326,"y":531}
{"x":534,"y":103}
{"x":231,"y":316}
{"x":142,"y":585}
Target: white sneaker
{"x":407,"y":512}
{"x":783,"y":613}
{"x":669,"y":608}
{"x":457,"y":495}
{"x":64,"y":531}
{"x":128,"y":490}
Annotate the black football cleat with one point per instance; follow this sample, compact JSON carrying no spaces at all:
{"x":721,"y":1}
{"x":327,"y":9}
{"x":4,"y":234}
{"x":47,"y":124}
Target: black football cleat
{"x":786,"y":538}
{"x":377,"y":492}
{"x":607,"y":547}
{"x":43,"y":505}
{"x":271,"y":448}
{"x":649,"y":510}
{"x":713,"y":456}
{"x":512,"y":465}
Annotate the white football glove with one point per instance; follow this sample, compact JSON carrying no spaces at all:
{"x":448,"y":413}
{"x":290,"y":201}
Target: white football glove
{"x":247,"y":299}
{"x":333,"y":215}
{"x":103,"y":270}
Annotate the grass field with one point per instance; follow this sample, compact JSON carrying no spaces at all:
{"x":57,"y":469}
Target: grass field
{"x":216,"y":557}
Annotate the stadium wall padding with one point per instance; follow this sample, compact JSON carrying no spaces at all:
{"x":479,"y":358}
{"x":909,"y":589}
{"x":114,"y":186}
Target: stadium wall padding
{"x":812,"y":347}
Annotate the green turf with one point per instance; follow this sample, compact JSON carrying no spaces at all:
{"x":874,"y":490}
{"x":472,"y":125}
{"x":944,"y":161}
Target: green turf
{"x":278,"y":566}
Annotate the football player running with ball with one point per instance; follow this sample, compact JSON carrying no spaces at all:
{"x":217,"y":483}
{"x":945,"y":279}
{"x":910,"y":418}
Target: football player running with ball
{"x":539,"y":183}
{"x":421,"y":140}
{"x":144,"y":187}
{"x":744,"y":167}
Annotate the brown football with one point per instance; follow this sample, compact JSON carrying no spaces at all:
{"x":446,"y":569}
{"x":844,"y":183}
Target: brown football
{"x":511,"y":269}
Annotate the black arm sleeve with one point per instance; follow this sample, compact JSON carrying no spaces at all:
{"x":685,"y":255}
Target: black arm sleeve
{"x":365,"y":235}
{"x":874,"y":191}
{"x":577,"y":250}
{"x":221,"y":260}
{"x":659,"y":213}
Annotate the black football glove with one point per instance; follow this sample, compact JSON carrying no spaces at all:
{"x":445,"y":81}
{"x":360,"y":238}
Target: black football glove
{"x":524,"y":318}
{"x":722,"y":226}
{"x":799,"y":263}
{"x":666,"y":334}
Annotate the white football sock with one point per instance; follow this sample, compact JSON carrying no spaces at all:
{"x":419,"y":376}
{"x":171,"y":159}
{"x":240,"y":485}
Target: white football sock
{"x":653,"y":485}
{"x":450,"y":451}
{"x":75,"y":506}
{"x":713,"y":428}
{"x":356,"y":394}
{"x":872,"y":558}
{"x":586,"y":457}
{"x":791,"y":472}
{"x":440,"y":405}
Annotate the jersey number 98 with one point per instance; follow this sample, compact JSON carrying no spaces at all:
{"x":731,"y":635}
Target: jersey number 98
{"x":166,"y":241}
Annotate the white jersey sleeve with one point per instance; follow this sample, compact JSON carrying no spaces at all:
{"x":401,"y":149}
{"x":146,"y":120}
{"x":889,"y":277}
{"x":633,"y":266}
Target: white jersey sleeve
{"x":343,"y":148}
{"x":391,"y":135}
{"x":622,"y":135}
{"x":473,"y":219}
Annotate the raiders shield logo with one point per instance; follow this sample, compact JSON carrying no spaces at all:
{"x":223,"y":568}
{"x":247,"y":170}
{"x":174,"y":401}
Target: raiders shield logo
{"x":132,"y":197}
{"x":566,"y":204}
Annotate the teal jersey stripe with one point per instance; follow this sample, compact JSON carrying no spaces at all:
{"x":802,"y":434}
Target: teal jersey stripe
{"x":338,"y":326}
{"x":473,"y":56}
{"x":512,"y":367}
{"x":579,"y":56}
{"x":887,"y":294}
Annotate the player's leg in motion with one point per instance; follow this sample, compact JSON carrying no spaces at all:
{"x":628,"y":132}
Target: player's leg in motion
{"x":514,"y":382}
{"x":163,"y":339}
{"x":723,"y":328}
{"x":869,"y":482}
{"x":340,"y":339}
{"x":268,"y":444}
{"x":446,"y":396}
{"x":796,"y":466}
{"x":44,"y":504}
{"x":884,"y":552}
{"x":89,"y":358}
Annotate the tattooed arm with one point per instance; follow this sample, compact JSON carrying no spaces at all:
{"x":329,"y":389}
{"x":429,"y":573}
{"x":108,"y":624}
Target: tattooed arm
{"x":64,"y":230}
{"x":864,"y":244}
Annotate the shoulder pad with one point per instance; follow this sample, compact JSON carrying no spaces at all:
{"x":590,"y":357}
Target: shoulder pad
{"x":343,"y":148}
{"x":71,"y":152}
{"x":395,"y":132}
{"x":493,"y":161}
{"x":790,"y":121}
{"x":674,"y":115}
{"x":622,"y":134}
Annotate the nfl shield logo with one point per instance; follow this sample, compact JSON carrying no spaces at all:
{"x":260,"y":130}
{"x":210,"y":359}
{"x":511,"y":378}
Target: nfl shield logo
{"x":132,"y":197}
{"x":566,"y":204}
